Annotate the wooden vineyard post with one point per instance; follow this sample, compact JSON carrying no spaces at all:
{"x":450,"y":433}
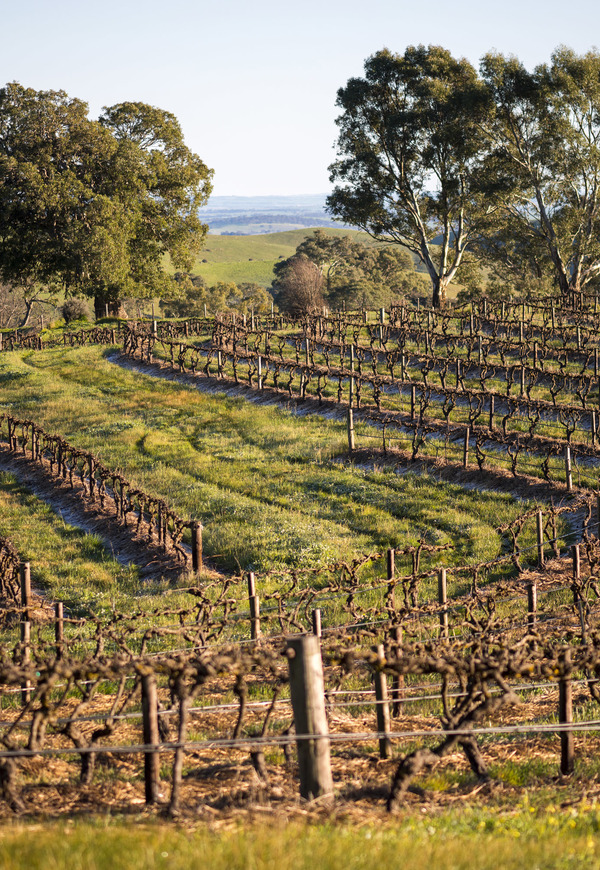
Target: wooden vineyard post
{"x":196,"y":547}
{"x":26,"y":590}
{"x":351,"y":387}
{"x":565,"y":717}
{"x":390,"y":571}
{"x":383,"y":706}
{"x":491,"y":426}
{"x":568,"y":473}
{"x":254,"y":607}
{"x":443,"y":602}
{"x":351,"y":441}
{"x":576,"y":561}
{"x":151,"y":737}
{"x":59,"y":628}
{"x":466,"y":447}
{"x":259,"y":373}
{"x":413,"y":396}
{"x":307,"y":690}
{"x":531,"y":605}
{"x":539,"y":527}
{"x":396,"y":634}
{"x":316,"y":622}
{"x":593,"y":427}
{"x":25,"y":659}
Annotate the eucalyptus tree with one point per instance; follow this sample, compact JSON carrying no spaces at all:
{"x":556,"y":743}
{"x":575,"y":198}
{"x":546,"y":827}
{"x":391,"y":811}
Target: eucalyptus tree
{"x":543,"y":164}
{"x":409,"y":157}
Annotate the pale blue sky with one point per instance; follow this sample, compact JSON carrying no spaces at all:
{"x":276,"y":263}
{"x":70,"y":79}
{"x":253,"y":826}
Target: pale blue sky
{"x":253,"y":82}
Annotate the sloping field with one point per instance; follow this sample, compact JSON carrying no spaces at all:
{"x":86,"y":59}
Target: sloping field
{"x":251,"y":258}
{"x":263,"y":481}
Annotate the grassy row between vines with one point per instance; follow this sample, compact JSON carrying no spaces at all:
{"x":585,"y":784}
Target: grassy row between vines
{"x":264,"y":481}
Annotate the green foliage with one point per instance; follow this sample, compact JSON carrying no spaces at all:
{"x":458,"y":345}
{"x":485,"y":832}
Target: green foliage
{"x":409,"y":157}
{"x":194,"y":297}
{"x":355,"y":274}
{"x":542,"y":130}
{"x":94,"y":206}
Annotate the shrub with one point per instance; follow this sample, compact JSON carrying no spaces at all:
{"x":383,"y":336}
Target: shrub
{"x":75,"y":309}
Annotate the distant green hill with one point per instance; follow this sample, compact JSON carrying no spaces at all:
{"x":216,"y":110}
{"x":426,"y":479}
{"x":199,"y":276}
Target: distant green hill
{"x":251,"y":258}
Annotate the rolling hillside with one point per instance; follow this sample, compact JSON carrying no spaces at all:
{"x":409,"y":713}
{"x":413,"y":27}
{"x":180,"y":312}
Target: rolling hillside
{"x":251,"y":258}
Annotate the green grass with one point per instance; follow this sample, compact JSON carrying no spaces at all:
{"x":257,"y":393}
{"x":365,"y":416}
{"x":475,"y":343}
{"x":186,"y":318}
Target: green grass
{"x":72,"y":562}
{"x":261,"y":479}
{"x":469,"y":840}
{"x":251,"y":258}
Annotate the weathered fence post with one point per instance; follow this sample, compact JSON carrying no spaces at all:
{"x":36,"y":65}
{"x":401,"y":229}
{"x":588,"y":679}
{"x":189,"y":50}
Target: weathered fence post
{"x":396,"y":634}
{"x":491,"y":412}
{"x":531,"y":605}
{"x":443,"y":602}
{"x":351,"y":441}
{"x":59,"y":628}
{"x":316,"y":622}
{"x":26,"y":590}
{"x":351,"y":387}
{"x":565,"y":717}
{"x":307,"y":690}
{"x":576,"y":561}
{"x":25,"y":659}
{"x":539,"y":528}
{"x":413,"y":397}
{"x":568,"y":474}
{"x":466,"y":447}
{"x":196,"y":546}
{"x":254,"y":607}
{"x":382,"y":705}
{"x":151,"y":737}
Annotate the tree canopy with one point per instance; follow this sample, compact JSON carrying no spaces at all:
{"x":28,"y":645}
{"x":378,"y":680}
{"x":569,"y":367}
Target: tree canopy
{"x":92,"y":206}
{"x":504,"y":163}
{"x":409,"y":157}
{"x":355,"y":274}
{"x":542,"y":130}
